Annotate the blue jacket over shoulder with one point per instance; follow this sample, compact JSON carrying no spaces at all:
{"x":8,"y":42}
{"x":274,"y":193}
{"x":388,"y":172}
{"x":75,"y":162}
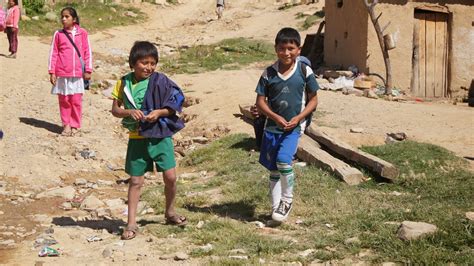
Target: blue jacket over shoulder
{"x":161,"y":93}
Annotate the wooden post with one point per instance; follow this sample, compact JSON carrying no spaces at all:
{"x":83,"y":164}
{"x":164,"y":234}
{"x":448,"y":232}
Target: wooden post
{"x":415,"y":80}
{"x":378,"y":30}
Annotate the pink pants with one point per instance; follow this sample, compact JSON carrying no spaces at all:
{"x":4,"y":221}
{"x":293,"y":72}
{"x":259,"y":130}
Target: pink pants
{"x":70,"y":108}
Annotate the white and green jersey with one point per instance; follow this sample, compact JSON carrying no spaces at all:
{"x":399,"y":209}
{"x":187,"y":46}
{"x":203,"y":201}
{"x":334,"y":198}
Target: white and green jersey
{"x":286,"y":95}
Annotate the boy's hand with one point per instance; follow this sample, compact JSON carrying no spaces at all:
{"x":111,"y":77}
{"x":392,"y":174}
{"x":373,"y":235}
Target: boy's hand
{"x":137,"y":114}
{"x":87,"y":76}
{"x":281,"y":122}
{"x":254,"y":111}
{"x":153,"y":116}
{"x":52,"y":79}
{"x":292,"y":124}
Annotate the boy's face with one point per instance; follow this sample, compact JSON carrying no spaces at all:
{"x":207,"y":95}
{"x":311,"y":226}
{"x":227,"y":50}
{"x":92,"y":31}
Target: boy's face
{"x":144,"y":67}
{"x":11,"y":3}
{"x":287,"y":52}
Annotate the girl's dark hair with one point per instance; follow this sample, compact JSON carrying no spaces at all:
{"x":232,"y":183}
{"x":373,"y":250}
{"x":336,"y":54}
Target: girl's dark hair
{"x":72,"y":12}
{"x":142,"y":49}
{"x":288,"y":35}
{"x":16,"y":2}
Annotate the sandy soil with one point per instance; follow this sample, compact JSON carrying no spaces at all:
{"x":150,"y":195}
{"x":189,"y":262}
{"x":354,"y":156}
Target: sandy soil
{"x":34,"y":157}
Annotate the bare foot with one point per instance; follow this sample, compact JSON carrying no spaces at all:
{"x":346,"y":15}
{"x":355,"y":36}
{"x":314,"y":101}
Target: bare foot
{"x":66,"y":131}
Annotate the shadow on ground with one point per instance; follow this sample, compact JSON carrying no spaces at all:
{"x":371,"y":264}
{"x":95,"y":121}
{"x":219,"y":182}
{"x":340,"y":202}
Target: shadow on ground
{"x":41,"y":124}
{"x":240,"y":210}
{"x":110,"y":225}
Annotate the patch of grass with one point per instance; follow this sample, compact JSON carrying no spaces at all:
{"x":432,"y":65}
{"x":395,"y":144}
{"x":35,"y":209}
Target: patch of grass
{"x":93,"y":17}
{"x":434,"y":187}
{"x":227,"y":54}
{"x":310,"y":20}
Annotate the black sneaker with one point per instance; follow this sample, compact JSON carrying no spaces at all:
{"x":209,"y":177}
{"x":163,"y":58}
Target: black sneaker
{"x":282,"y":212}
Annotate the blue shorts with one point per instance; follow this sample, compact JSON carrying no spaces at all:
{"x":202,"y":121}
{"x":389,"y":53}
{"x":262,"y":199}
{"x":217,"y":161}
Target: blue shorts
{"x":278,"y":147}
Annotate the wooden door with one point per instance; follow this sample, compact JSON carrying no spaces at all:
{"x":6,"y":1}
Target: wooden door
{"x":430,"y":54}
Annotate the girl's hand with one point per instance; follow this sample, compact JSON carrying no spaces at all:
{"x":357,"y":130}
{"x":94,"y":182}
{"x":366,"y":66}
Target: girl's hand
{"x":52,"y":79}
{"x":87,"y":76}
{"x":137,"y":114}
{"x":153,"y":116}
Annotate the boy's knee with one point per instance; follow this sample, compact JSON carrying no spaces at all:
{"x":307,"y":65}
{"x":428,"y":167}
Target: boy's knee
{"x":169,"y":176}
{"x":284,"y":158}
{"x":136,"y":181}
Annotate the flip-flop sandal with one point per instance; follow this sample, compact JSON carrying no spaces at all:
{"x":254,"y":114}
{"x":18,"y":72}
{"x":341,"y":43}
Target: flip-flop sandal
{"x":177,"y":220}
{"x":129,"y":233}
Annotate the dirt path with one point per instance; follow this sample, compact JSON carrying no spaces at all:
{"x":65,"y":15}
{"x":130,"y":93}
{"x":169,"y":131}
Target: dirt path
{"x":34,"y":158}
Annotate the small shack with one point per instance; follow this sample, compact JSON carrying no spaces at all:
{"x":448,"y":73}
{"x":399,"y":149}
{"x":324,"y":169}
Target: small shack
{"x":434,"y":41}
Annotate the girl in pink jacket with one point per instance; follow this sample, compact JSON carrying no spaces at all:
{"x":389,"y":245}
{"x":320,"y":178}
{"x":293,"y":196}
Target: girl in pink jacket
{"x":11,"y":27}
{"x":68,"y":69}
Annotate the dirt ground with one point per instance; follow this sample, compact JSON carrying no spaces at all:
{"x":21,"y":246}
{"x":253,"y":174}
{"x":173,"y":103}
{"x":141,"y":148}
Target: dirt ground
{"x":34,"y":158}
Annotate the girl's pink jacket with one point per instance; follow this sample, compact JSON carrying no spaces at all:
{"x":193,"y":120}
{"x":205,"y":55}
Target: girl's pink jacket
{"x":13,"y":17}
{"x":63,"y":58}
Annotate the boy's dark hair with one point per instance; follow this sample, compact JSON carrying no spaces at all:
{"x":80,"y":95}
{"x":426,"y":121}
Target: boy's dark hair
{"x":16,"y":2}
{"x":72,"y":12}
{"x":141,"y":49}
{"x":288,"y":35}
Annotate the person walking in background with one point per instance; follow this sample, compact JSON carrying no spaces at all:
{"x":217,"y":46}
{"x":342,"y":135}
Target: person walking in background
{"x":11,"y":27}
{"x":282,"y":93}
{"x":70,"y":63}
{"x":220,"y":8}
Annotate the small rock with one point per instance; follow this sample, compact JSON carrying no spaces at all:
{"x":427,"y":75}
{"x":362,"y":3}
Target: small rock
{"x":7,"y":242}
{"x":357,"y":130}
{"x":113,"y":202}
{"x":238,"y":251}
{"x":398,"y":136}
{"x":300,"y":164}
{"x":200,"y":140}
{"x":239,"y":257}
{"x":91,"y":203}
{"x":107,"y":253}
{"x":80,"y":182}
{"x":166,"y":257}
{"x":258,"y":224}
{"x":299,"y":221}
{"x":206,"y":248}
{"x":352,"y":241}
{"x":396,"y":193}
{"x":414,"y":230}
{"x":306,"y":253}
{"x":181,"y":256}
{"x":104,"y":183}
{"x":200,"y":224}
{"x":64,"y":192}
{"x":470,"y":216}
{"x":189,"y":175}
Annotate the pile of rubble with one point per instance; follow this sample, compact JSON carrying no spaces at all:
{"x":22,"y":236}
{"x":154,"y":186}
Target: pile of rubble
{"x":351,"y":82}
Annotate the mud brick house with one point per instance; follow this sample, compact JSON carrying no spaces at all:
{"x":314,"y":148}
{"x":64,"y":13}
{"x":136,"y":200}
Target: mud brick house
{"x":434,"y":53}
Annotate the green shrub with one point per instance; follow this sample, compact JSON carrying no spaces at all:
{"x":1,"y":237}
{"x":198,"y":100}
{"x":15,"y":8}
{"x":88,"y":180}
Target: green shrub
{"x":33,"y":7}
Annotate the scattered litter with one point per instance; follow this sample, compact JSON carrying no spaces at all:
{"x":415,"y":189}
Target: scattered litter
{"x":299,"y":221}
{"x":94,"y":239}
{"x":48,"y":252}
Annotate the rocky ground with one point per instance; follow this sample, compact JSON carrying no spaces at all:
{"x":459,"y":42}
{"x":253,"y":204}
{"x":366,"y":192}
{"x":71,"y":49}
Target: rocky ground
{"x":71,"y":190}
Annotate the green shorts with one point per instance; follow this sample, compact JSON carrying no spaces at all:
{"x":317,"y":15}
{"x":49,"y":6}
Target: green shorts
{"x":141,"y":153}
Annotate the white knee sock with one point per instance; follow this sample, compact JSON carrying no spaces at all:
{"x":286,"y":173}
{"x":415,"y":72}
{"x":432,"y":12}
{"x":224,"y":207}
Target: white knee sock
{"x":275,"y":189}
{"x":287,"y":179}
